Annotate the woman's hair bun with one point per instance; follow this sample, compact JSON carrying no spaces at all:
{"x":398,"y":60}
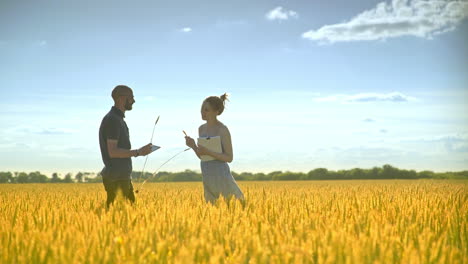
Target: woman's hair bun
{"x":217,"y":102}
{"x":224,"y":97}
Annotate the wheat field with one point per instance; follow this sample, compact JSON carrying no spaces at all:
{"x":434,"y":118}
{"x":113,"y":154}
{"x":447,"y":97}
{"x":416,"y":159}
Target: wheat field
{"x":420,"y":221}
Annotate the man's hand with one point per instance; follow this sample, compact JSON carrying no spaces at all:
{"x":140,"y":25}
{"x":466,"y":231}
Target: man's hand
{"x":145,"y":150}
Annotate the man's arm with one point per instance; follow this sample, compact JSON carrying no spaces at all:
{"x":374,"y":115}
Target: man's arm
{"x":112,"y":135}
{"x":116,"y":152}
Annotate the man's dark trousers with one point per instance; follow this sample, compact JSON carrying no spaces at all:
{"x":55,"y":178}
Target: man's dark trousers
{"x":114,"y":186}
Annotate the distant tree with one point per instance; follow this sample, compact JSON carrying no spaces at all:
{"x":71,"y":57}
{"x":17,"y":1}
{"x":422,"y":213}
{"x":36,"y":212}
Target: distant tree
{"x":407,"y":174}
{"x":22,"y":177}
{"x":37,"y":177}
{"x":374,"y":173}
{"x":389,"y":172}
{"x":13,"y":177}
{"x":261,"y":177}
{"x":384,"y":172}
{"x":97,"y":179}
{"x":162,"y":176}
{"x":274,"y":174}
{"x":136,"y":175}
{"x":337,"y":175}
{"x":55,"y":178}
{"x":317,"y":174}
{"x":89,"y":175}
{"x":356,"y":173}
{"x":244,"y":176}
{"x":68,"y":178}
{"x":461,"y":175}
{"x":289,"y":176}
{"x":186,"y":175}
{"x":5,"y":177}
{"x":426,"y":174}
{"x":79,"y":177}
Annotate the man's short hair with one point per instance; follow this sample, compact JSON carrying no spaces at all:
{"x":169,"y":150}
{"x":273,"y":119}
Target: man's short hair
{"x":120,"y":90}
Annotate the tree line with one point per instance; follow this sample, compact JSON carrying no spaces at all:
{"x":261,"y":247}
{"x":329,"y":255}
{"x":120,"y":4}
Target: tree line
{"x":384,"y":172}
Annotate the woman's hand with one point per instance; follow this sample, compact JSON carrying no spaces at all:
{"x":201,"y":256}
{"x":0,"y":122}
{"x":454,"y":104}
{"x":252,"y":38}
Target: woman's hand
{"x":190,"y":142}
{"x":202,"y":151}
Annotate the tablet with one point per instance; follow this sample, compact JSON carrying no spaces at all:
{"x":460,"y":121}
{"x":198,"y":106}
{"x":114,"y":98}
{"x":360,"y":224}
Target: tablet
{"x":154,"y":148}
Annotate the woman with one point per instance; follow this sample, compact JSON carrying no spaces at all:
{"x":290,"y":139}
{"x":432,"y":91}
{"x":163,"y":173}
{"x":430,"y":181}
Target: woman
{"x":217,"y":178}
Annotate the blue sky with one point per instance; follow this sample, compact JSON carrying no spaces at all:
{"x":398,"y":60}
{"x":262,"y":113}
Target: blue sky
{"x":335,"y":84}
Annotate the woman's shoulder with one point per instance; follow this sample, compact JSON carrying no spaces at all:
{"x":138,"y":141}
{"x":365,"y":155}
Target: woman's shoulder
{"x":223,"y":128}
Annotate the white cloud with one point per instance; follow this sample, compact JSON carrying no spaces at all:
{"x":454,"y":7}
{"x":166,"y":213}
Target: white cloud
{"x":453,"y":137}
{"x":419,"y":18}
{"x":370,"y":97}
{"x":40,"y":43}
{"x":450,"y":143}
{"x":53,"y":131}
{"x":369,"y":120}
{"x":29,"y":130}
{"x":186,"y":29}
{"x":230,"y":23}
{"x":279,"y":14}
{"x":367,"y":97}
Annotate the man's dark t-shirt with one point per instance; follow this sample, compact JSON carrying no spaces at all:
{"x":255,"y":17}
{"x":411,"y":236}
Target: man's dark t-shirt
{"x":114,"y":127}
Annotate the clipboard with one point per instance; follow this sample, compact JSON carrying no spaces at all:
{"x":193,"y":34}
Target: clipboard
{"x":211,"y":143}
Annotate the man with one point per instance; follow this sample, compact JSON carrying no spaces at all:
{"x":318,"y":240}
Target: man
{"x":116,"y":151}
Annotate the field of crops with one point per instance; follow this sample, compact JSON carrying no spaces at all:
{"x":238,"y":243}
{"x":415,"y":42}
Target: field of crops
{"x":281,"y":222}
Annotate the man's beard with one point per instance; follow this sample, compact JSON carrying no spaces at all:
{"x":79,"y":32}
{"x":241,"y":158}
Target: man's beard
{"x":128,"y":105}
